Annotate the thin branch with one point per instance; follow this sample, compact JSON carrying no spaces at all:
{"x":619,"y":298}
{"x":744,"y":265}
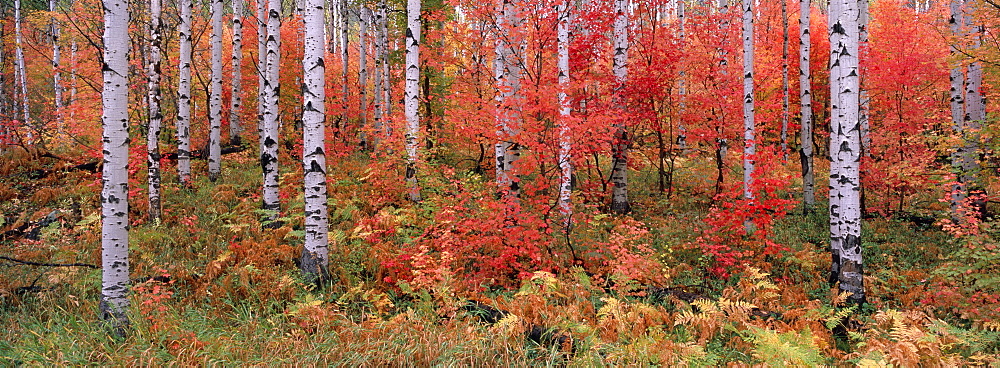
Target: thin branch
{"x":30,"y":263}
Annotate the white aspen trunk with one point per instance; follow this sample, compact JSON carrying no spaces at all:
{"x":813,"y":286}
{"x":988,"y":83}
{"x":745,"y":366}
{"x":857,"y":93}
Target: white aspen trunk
{"x":153,"y":97}
{"x":261,"y":74}
{"x":22,"y":75}
{"x":114,"y":194}
{"x":975,"y":115}
{"x":959,"y":191}
{"x":565,"y":140}
{"x":386,"y":77}
{"x":269,"y":150}
{"x":805,"y":102}
{"x":847,"y":153}
{"x":379,"y":17}
{"x":833,"y":14}
{"x":184,"y":97}
{"x":315,"y":259}
{"x":749,"y":130}
{"x":365,"y":18}
{"x":412,"y":93}
{"x":215,"y":101}
{"x":5,"y":129}
{"x":508,"y":76}
{"x":236,"y":100}
{"x":57,"y":87}
{"x":620,"y":142}
{"x":784,"y":80}
{"x":863,"y":20}
{"x":344,"y":62}
{"x":72,"y":77}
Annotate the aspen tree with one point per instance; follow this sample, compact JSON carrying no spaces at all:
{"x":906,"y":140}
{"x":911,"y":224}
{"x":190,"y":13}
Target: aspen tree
{"x":269,"y":148}
{"x":21,"y":74}
{"x":56,"y":74}
{"x":315,"y":259}
{"x":183,"y":126}
{"x":114,"y":194}
{"x":833,"y":14}
{"x":380,"y":103}
{"x":153,"y":97}
{"x":507,"y":70}
{"x":363,"y":36}
{"x":846,"y":154}
{"x":959,"y":190}
{"x":215,"y":101}
{"x":236,"y":100}
{"x":784,"y":80}
{"x":565,"y":140}
{"x":261,"y":74}
{"x":749,"y":130}
{"x":805,"y":103}
{"x":620,"y":141}
{"x":412,"y":95}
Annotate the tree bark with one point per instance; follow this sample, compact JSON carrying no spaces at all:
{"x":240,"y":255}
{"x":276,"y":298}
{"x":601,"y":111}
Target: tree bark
{"x":412,"y":92}
{"x":153,"y":74}
{"x":269,"y":149}
{"x":749,"y":129}
{"x":621,"y":140}
{"x":315,"y":259}
{"x":565,"y":140}
{"x":22,"y":75}
{"x":56,"y":73}
{"x":508,"y":75}
{"x":261,"y":73}
{"x":183,"y":126}
{"x":215,"y":102}
{"x":836,"y":33}
{"x":784,"y":80}
{"x":363,"y":36}
{"x":805,"y":100}
{"x":114,"y":195}
{"x":236,"y":100}
{"x":959,"y":190}
{"x":380,"y":102}
{"x":846,"y":152}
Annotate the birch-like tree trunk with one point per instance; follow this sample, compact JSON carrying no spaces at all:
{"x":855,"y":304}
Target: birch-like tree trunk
{"x":411,"y":104}
{"x":805,"y":103}
{"x":959,"y":191}
{"x":5,"y":129}
{"x":269,"y":149}
{"x":315,"y":259}
{"x":620,"y":142}
{"x":363,"y":36}
{"x":682,"y":79}
{"x":508,"y":75}
{"x":215,"y":102}
{"x":153,"y":98}
{"x":57,"y":87}
{"x":975,"y":116}
{"x":836,"y":33}
{"x":236,"y":100}
{"x":114,"y":194}
{"x":749,"y":130}
{"x":344,"y":61}
{"x":846,"y":152}
{"x":863,"y":20}
{"x":22,"y":75}
{"x":383,"y":33}
{"x":378,"y":18}
{"x":565,"y":140}
{"x":183,"y":126}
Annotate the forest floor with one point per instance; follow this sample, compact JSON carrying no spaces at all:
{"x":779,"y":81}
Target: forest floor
{"x":211,"y":287}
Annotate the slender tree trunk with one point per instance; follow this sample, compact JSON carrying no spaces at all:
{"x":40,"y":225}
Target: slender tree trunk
{"x":975,"y":117}
{"x":863,"y":19}
{"x":345,"y":63}
{"x":619,"y":149}
{"x":379,"y":17}
{"x":386,"y":77}
{"x":836,"y":33}
{"x":56,"y":74}
{"x":5,"y":129}
{"x":155,"y":115}
{"x":682,"y":80}
{"x":784,"y":80}
{"x":215,"y":103}
{"x":749,"y":130}
{"x":261,"y":73}
{"x":114,"y":195}
{"x":269,"y":150}
{"x":805,"y":101}
{"x":412,"y":92}
{"x":315,"y":259}
{"x":72,"y":77}
{"x":184,"y":97}
{"x":363,"y":36}
{"x":565,"y":140}
{"x":22,"y":75}
{"x":236,"y":100}
{"x":508,"y":74}
{"x":959,"y":190}
{"x":847,"y":154}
